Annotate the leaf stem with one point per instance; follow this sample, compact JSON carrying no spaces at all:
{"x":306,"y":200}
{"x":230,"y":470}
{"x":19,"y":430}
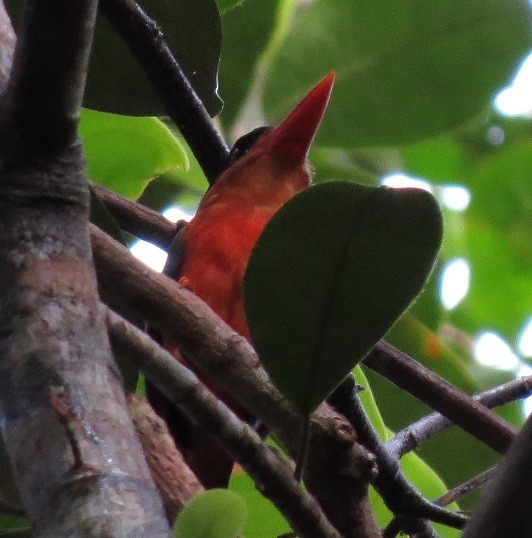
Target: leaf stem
{"x":303,"y":449}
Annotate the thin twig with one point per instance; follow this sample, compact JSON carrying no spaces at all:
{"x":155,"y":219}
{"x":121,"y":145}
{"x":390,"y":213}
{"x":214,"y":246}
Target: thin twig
{"x":137,"y":219}
{"x":397,"y":492}
{"x":146,"y":42}
{"x":270,"y":472}
{"x":442,"y":396}
{"x":503,"y":508}
{"x":463,"y":489}
{"x":414,"y":528}
{"x":410,"y":437}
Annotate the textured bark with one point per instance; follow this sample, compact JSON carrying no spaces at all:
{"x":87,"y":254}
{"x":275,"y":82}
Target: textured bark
{"x":273,"y":474}
{"x":75,"y":457}
{"x":176,"y":483}
{"x":338,"y":468}
{"x":7,"y":46}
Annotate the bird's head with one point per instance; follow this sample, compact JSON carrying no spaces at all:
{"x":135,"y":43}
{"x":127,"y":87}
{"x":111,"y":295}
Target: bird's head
{"x":277,"y":156}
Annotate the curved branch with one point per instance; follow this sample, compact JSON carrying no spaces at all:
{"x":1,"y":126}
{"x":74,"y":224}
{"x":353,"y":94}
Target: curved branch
{"x":338,"y":469}
{"x":137,"y":219}
{"x":413,"y":435}
{"x":145,"y":40}
{"x":272,"y":473}
{"x":439,"y":394}
{"x":397,"y":492}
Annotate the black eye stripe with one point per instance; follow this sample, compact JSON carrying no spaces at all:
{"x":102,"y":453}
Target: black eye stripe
{"x":245,"y":143}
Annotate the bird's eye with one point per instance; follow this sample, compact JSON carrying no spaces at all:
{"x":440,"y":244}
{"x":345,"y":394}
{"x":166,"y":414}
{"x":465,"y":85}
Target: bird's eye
{"x":245,"y":143}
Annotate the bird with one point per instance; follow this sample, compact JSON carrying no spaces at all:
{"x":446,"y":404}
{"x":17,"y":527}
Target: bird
{"x":267,"y":167}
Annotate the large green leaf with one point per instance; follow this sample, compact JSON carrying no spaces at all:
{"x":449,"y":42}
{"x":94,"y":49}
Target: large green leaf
{"x":192,"y":30}
{"x":500,"y":293}
{"x":246,"y":32}
{"x":125,"y":153}
{"x":227,"y":5}
{"x":501,"y":187}
{"x":405,"y":69}
{"x":439,"y":160}
{"x":115,"y":81}
{"x":216,"y":513}
{"x":330,"y":274}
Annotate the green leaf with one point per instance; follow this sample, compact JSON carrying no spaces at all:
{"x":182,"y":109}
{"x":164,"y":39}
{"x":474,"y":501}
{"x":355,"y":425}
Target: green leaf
{"x":331,"y":164}
{"x":247,"y":30}
{"x":405,"y":69}
{"x":264,"y":520}
{"x":116,"y":83}
{"x":125,"y":153}
{"x":500,"y":293}
{"x":370,"y":405}
{"x":216,"y":513}
{"x":440,"y":160}
{"x":226,"y":5}
{"x":501,"y":187}
{"x":330,"y":274}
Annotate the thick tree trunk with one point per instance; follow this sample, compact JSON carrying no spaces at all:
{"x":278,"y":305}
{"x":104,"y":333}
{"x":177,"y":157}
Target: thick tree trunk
{"x":76,"y":460}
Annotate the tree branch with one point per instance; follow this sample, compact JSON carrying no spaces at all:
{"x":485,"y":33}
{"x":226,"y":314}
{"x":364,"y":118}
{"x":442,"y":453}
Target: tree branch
{"x":176,"y":483}
{"x":397,"y":492}
{"x":338,"y":469}
{"x":146,"y":42}
{"x":467,"y":487}
{"x":435,"y":391}
{"x":63,"y":414}
{"x":7,"y":46}
{"x":48,"y":118}
{"x":137,"y":219}
{"x":413,"y":435}
{"x":271,"y":473}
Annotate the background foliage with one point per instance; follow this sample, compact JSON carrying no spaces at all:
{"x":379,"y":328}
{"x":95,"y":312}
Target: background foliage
{"x":414,"y":93}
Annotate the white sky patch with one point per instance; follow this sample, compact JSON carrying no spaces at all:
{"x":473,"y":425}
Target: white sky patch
{"x":524,"y":342}
{"x":491,"y":350}
{"x":516,"y":99}
{"x":401,"y":181}
{"x":455,"y":197}
{"x":151,"y":255}
{"x":455,"y":280}
{"x":175,"y":213}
